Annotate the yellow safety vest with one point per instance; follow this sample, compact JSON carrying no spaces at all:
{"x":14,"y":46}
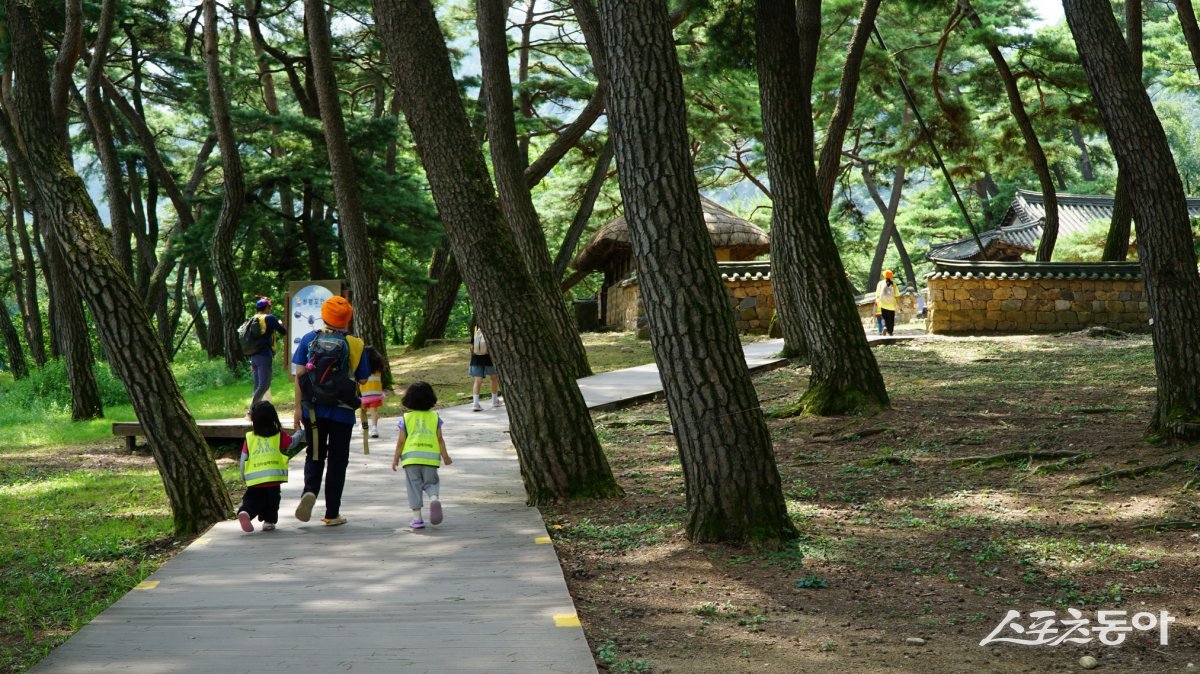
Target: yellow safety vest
{"x":265,"y":462}
{"x":885,"y":299}
{"x":421,"y":444}
{"x":373,"y":387}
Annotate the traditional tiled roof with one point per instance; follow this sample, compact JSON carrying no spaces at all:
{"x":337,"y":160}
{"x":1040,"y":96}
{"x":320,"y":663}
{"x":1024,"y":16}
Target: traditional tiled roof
{"x":725,"y":229}
{"x":1021,"y":228}
{"x":745,"y":271}
{"x":971,"y":269}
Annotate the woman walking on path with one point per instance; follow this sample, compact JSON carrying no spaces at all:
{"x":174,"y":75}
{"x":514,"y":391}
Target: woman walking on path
{"x":420,"y":449}
{"x":885,"y":295}
{"x":481,"y":366}
{"x":261,"y":361}
{"x":329,"y":366}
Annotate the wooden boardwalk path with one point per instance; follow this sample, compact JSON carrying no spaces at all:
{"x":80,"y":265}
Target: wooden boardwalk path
{"x":482,"y":592}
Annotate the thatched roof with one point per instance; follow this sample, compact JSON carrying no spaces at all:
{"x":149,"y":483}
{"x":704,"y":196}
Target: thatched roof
{"x":726,"y":230}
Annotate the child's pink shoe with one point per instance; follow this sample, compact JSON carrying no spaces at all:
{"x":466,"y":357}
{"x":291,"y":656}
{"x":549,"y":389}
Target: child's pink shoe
{"x":244,"y":520}
{"x":435,"y":512}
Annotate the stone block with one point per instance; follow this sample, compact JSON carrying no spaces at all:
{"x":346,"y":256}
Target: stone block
{"x":748,"y":303}
{"x":1114,"y":306}
{"x":1020,"y":292}
{"x":1062,"y":305}
{"x":1069,"y":318}
{"x":1066,"y":295}
{"x":987,"y":324}
{"x":993,"y":305}
{"x":981,"y":294}
{"x":747,"y":314}
{"x":743,"y":325}
{"x":990,"y":284}
{"x":1100,"y":294}
{"x":756,"y":324}
{"x":1014,"y":316}
{"x":1125,"y":295}
{"x":1044,"y":317}
{"x":1002,"y":293}
{"x":1011,"y":305}
{"x":1097,"y":305}
{"x":961,"y":294}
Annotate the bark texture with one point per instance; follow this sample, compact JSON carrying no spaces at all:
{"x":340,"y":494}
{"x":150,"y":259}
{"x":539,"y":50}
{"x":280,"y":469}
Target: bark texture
{"x":232,"y":201}
{"x":733,"y":487}
{"x":1033,"y":147}
{"x":1160,"y":207}
{"x":1191,"y":30}
{"x":1085,"y":156}
{"x":584,"y":213}
{"x":559,"y":453}
{"x":440,"y":297}
{"x":12,"y":343}
{"x":830,"y":163}
{"x":31,"y":312}
{"x":813,"y":297}
{"x":193,"y":484}
{"x":352,"y":222}
{"x":508,"y":166}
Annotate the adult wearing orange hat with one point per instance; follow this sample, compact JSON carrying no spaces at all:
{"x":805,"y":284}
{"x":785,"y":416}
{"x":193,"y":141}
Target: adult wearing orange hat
{"x":885,"y":296}
{"x":328,"y":361}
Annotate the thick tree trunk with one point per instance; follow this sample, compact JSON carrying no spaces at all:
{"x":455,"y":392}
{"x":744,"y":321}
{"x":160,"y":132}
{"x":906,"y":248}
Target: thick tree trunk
{"x":559,"y":453}
{"x":12,"y":343}
{"x":1160,"y":208}
{"x":516,"y":202}
{"x":830,"y":163}
{"x":1116,"y":244}
{"x":1033,"y":147}
{"x":352,"y":222}
{"x":69,"y":322}
{"x":440,"y":297}
{"x":233,"y":200}
{"x":733,"y":487}
{"x":193,"y":484}
{"x":1191,"y":30}
{"x":1085,"y":155}
{"x":812,"y":295}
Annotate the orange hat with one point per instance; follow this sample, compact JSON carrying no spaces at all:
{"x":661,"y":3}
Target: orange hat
{"x":886,"y":274}
{"x":337,"y":312}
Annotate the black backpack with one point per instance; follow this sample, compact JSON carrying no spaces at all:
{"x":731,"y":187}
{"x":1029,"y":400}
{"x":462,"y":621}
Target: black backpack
{"x":253,"y":335}
{"x":328,"y":380}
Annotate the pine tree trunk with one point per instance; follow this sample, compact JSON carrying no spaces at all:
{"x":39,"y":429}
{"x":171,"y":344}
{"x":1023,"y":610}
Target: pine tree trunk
{"x":1160,"y":207}
{"x":1033,"y":147}
{"x":69,"y":323}
{"x":193,"y":484}
{"x":18,"y":281}
{"x":889,"y":211}
{"x":440,"y":297}
{"x":32,"y":316}
{"x":1116,"y":244}
{"x":233,"y":200}
{"x":1191,"y":30}
{"x":102,"y":135}
{"x":352,"y":222}
{"x":584,"y":213}
{"x":559,"y":453}
{"x":733,"y":486}
{"x":214,"y":327}
{"x":1085,"y":155}
{"x":516,"y":202}
{"x":197,"y":313}
{"x":830,"y":163}
{"x":813,"y":297}
{"x":12,"y":343}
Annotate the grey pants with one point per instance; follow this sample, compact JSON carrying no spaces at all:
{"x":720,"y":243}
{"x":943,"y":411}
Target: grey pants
{"x":421,"y":479}
{"x":260,"y":368}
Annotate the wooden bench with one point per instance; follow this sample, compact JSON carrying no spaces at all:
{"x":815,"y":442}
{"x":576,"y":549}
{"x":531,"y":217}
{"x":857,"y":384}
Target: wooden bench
{"x":211,"y":429}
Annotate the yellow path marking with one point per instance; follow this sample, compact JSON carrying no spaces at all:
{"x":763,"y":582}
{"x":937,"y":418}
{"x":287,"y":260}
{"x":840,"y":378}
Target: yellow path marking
{"x":542,"y":540}
{"x":566,"y":620}
{"x":146,"y":585}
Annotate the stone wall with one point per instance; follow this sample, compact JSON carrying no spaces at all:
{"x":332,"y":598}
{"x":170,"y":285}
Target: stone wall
{"x":1036,"y":302}
{"x":752,"y":302}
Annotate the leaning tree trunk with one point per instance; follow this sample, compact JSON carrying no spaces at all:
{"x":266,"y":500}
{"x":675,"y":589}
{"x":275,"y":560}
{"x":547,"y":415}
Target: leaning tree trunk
{"x":32,"y":318}
{"x":193,"y":484}
{"x":559,"y":453}
{"x":352,"y":222}
{"x":221,"y":246}
{"x":830,"y":162}
{"x":1033,"y":147}
{"x":1191,"y":30}
{"x":1116,"y":244}
{"x":12,"y":343}
{"x":1085,"y":155}
{"x":1160,"y":208}
{"x":809,"y":281}
{"x":733,"y":485}
{"x":440,"y":297}
{"x":508,"y":166}
{"x":889,"y":210}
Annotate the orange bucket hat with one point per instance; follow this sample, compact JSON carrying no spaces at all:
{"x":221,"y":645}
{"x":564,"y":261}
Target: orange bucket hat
{"x":337,"y":312}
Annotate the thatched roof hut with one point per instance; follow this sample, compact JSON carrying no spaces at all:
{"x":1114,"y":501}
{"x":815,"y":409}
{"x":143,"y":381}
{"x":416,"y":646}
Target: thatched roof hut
{"x":732,"y":238}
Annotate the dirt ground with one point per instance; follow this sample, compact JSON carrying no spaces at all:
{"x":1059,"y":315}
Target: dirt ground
{"x":908,"y":559}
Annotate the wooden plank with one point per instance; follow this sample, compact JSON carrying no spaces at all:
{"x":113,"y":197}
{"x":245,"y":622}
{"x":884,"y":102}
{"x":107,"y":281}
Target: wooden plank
{"x":220,"y":429}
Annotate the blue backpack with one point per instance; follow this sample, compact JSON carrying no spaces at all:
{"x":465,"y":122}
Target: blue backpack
{"x":329,"y":380}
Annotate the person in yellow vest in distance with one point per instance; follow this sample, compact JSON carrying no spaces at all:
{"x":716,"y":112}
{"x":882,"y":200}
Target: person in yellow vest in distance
{"x":420,"y":449}
{"x":885,"y":295}
{"x":371,"y":391}
{"x":264,"y":465}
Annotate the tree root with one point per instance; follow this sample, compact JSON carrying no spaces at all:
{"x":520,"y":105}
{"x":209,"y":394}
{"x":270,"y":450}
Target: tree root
{"x":1060,"y":465}
{"x":1128,"y":472}
{"x":1169,"y":525}
{"x":1012,"y":457}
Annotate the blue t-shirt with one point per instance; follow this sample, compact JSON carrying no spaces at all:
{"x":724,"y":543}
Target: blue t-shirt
{"x":334,"y":413}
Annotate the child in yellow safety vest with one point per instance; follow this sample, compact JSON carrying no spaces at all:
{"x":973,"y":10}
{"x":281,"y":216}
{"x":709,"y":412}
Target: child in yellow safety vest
{"x":264,"y":463}
{"x":420,"y":449}
{"x":371,"y":391}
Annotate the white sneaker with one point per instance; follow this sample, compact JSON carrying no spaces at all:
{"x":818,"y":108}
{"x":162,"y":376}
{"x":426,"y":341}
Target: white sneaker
{"x":375,"y":432}
{"x":268,"y":526}
{"x":476,"y":408}
{"x":495,"y":403}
